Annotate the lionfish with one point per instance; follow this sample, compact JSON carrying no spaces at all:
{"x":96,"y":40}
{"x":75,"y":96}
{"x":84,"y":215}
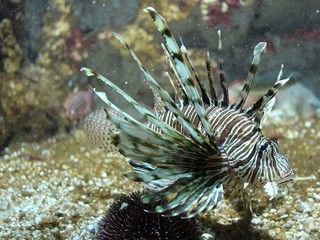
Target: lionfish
{"x":195,"y":146}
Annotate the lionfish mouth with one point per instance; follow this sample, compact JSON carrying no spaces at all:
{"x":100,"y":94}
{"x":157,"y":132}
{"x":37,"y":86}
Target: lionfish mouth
{"x":272,"y":187}
{"x":287,"y":179}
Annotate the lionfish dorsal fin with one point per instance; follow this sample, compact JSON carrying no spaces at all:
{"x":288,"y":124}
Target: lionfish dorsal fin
{"x":183,"y":71}
{"x":263,"y":103}
{"x":204,"y":94}
{"x":176,"y":82}
{"x":261,"y":116}
{"x":212,"y":89}
{"x":194,"y":132}
{"x":222,"y":74}
{"x":258,"y":52}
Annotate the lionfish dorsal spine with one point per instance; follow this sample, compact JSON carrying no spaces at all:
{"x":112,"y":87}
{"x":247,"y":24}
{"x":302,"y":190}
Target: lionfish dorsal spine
{"x":212,"y":89}
{"x":222,"y":75}
{"x":204,"y":94}
{"x":183,"y":71}
{"x":262,"y":102}
{"x":195,"y":134}
{"x":258,"y":52}
{"x":177,"y":86}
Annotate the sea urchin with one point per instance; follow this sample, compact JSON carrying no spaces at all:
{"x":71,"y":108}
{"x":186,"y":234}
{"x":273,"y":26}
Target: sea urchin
{"x":126,"y":219}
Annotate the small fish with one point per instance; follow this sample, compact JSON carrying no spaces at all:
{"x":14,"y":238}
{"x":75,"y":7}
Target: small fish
{"x":77,"y":105}
{"x":196,"y":146}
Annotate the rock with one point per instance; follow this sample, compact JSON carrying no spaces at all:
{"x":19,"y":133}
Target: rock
{"x":297,"y":100}
{"x":94,"y":15}
{"x":10,"y":50}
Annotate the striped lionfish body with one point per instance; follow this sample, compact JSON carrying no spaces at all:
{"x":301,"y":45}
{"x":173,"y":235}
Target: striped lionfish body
{"x":196,"y":145}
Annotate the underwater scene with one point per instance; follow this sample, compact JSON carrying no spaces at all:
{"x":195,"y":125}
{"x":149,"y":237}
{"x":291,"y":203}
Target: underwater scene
{"x":128,"y":119}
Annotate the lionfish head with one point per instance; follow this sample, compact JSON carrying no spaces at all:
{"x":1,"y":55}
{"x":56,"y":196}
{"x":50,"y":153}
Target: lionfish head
{"x":275,"y":169}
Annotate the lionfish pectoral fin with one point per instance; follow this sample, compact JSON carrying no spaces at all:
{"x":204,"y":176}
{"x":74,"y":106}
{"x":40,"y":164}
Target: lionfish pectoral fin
{"x":169,"y":161}
{"x":198,"y":196}
{"x":100,"y":131}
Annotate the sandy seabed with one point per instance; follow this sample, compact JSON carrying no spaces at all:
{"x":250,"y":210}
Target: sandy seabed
{"x":60,"y":188}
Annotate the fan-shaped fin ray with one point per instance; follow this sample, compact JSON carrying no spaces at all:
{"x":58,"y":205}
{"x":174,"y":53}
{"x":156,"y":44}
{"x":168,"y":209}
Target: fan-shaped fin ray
{"x":213,"y":197}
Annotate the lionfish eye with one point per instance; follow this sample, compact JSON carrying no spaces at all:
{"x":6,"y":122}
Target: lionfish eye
{"x":263,"y":147}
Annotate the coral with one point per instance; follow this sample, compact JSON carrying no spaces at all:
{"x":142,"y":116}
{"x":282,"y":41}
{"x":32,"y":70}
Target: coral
{"x":77,"y":47}
{"x":10,"y":52}
{"x":32,"y":95}
{"x":27,"y":103}
{"x":220,"y":11}
{"x":126,"y":219}
{"x":55,"y":31}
